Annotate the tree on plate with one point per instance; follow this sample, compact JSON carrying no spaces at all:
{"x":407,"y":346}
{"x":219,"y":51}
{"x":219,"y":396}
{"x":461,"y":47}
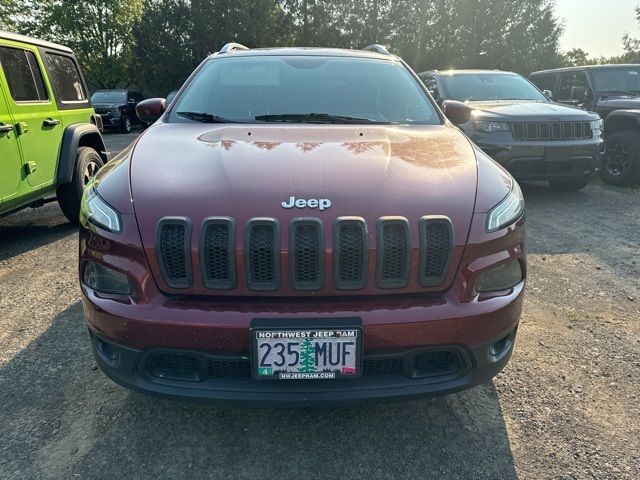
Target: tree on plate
{"x":307,"y":357}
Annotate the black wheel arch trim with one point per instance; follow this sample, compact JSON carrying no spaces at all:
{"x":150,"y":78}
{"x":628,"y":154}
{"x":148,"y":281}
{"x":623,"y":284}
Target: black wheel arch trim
{"x":620,"y":120}
{"x":71,"y":140}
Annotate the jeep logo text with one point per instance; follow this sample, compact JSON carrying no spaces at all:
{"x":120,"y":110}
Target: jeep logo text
{"x":322,"y":203}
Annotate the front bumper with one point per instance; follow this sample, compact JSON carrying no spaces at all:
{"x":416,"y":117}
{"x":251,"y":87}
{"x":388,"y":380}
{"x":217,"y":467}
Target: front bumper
{"x":412,"y":348}
{"x":540,"y":161}
{"x":399,"y":376}
{"x":111,"y":120}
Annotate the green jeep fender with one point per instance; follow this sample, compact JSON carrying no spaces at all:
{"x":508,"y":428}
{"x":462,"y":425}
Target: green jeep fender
{"x":78,"y":135}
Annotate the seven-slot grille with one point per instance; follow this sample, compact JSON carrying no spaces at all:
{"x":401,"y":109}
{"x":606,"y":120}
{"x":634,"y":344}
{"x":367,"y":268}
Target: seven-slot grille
{"x":551,"y":131}
{"x":306,"y":253}
{"x":217,"y":253}
{"x":306,"y":248}
{"x":173,"y":237}
{"x":262,"y":254}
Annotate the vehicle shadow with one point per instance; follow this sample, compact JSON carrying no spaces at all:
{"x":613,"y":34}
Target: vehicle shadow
{"x":32,"y":228}
{"x":63,"y":418}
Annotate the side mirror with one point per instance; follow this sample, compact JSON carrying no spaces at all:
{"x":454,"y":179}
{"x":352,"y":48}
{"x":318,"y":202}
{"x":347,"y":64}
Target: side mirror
{"x":457,"y":112}
{"x":578,"y":93}
{"x":150,"y":110}
{"x":548,"y":93}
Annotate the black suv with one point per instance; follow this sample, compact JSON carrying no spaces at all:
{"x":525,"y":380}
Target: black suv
{"x":117,"y":108}
{"x":521,"y":128}
{"x":613,"y":91}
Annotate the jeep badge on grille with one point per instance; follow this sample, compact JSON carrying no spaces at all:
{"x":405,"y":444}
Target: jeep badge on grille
{"x":320,"y":203}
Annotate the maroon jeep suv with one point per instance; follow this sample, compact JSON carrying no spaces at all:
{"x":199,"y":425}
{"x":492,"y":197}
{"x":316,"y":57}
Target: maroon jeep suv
{"x":302,"y":227}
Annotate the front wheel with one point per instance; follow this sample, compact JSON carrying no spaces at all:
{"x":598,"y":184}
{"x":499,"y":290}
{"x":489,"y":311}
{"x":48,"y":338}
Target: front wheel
{"x":88,"y":162}
{"x":569,"y":185}
{"x":621,"y":161}
{"x":125,"y":124}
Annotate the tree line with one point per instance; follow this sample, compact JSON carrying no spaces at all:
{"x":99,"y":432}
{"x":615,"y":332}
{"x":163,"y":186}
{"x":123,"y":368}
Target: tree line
{"x":155,"y":44}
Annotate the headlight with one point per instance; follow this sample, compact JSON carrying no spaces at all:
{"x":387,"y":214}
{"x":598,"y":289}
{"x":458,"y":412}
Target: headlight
{"x":507,"y":211}
{"x":490,"y":127}
{"x":105,"y":280}
{"x":98,"y":212}
{"x":597,"y":125}
{"x":500,"y":278}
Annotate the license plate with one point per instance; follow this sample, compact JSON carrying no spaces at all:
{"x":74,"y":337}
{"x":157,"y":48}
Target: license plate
{"x":306,"y":354}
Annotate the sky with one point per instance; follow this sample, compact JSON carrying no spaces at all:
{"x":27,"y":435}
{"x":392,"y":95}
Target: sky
{"x":597,"y":26}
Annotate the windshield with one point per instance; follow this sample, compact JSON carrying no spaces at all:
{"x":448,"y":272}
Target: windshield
{"x":617,"y":80}
{"x":489,"y":86}
{"x":113,"y":96}
{"x":304,"y":89}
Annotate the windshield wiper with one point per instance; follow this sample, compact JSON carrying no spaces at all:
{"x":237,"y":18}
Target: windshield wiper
{"x":205,"y":117}
{"x":316,"y":118}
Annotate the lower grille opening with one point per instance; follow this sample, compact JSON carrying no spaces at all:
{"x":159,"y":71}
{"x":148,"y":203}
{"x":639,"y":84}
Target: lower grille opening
{"x":197,"y":368}
{"x":173,"y":366}
{"x":384,"y":366}
{"x":435,"y":364}
{"x":228,"y":369}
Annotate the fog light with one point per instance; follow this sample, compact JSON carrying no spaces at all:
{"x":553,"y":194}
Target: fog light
{"x":500,"y":278}
{"x":105,"y":280}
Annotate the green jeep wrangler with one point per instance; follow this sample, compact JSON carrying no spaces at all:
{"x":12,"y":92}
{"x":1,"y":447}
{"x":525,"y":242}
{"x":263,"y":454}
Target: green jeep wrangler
{"x":50,"y":141}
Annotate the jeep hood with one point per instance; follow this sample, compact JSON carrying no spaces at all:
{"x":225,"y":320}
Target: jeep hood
{"x":528,"y":110}
{"x":199,"y":171}
{"x":248,"y":171}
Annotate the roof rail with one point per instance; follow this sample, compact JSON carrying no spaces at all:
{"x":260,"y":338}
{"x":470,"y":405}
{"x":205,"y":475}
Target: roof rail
{"x":376,"y":48}
{"x":231,"y":47}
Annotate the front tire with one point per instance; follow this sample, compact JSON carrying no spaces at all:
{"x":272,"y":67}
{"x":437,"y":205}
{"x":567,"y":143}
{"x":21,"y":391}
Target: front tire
{"x":125,"y":124}
{"x":621,"y":161}
{"x":88,"y":162}
{"x":569,"y":185}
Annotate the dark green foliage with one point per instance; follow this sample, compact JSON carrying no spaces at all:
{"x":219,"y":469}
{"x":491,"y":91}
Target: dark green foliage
{"x":99,"y":31}
{"x":155,"y":44}
{"x":8,"y":12}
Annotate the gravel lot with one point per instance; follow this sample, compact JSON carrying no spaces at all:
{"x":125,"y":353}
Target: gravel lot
{"x":567,"y":406}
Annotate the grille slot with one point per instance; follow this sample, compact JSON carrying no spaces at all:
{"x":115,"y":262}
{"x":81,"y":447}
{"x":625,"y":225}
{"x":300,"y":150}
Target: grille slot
{"x":228,"y":369}
{"x":382,"y":366}
{"x":173,"y":238}
{"x":306,"y":254}
{"x":217,"y":253}
{"x":262,"y":254}
{"x":436,"y":250}
{"x":435,"y":364}
{"x":558,"y":131}
{"x":173,"y":366}
{"x":350,"y":253}
{"x":394,"y":252}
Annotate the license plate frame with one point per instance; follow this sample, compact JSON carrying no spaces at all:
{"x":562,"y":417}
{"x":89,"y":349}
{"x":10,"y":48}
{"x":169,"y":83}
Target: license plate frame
{"x":274,"y":325}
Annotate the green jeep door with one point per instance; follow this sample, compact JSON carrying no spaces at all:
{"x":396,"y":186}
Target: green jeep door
{"x":10,"y":161}
{"x":35,"y":113}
